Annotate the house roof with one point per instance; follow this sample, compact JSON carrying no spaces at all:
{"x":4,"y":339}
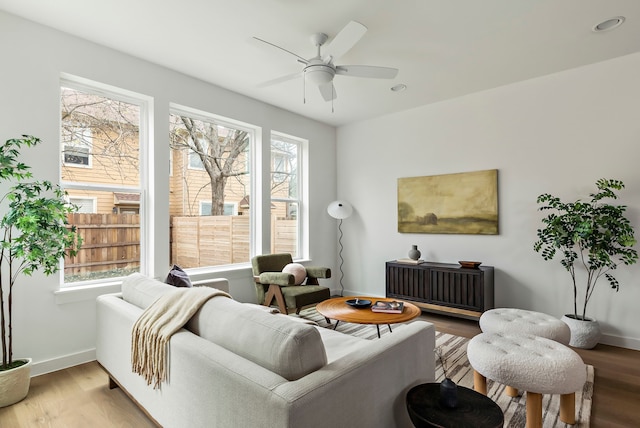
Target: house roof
{"x":126,"y":198}
{"x":245,"y":203}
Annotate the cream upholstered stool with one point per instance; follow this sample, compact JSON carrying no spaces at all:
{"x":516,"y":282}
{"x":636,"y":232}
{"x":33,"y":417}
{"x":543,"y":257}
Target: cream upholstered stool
{"x":530,"y":363}
{"x":516,"y":321}
{"x":511,"y":320}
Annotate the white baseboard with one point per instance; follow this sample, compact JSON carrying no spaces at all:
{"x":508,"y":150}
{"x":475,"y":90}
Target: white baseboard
{"x":55,"y":364}
{"x":621,"y":342}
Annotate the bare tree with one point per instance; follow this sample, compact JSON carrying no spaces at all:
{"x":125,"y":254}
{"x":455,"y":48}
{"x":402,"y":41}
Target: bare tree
{"x":220,"y":150}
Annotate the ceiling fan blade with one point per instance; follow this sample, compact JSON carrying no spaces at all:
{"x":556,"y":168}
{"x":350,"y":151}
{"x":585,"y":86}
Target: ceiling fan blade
{"x":344,"y":40}
{"x":328,"y":91}
{"x":300,"y":59}
{"x":280,"y":80}
{"x":367,"y":71}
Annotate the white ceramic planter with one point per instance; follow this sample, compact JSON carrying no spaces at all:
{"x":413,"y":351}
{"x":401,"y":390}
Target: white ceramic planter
{"x":14,"y":383}
{"x":584,"y":334}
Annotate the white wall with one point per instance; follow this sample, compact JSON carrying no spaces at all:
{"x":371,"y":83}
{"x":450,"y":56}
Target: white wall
{"x":555,"y":134}
{"x":56,"y":334}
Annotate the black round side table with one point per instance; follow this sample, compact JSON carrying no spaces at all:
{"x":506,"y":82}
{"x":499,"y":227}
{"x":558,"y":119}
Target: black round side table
{"x":474,"y":410}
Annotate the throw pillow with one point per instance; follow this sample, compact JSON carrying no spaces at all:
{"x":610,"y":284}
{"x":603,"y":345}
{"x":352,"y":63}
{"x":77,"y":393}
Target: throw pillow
{"x":178,"y":278}
{"x":297,"y":270}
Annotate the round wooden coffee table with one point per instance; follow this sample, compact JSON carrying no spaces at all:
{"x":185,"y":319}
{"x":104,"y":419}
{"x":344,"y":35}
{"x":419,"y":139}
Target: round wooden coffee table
{"x":338,"y":309}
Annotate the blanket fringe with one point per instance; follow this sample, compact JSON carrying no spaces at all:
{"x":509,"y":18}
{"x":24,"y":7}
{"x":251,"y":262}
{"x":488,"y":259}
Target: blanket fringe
{"x":153,"y":330}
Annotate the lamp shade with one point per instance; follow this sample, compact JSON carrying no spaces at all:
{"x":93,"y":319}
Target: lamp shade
{"x":340,"y":209}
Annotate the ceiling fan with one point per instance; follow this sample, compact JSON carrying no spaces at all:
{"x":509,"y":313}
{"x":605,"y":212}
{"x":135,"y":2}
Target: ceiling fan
{"x":320,"y":69}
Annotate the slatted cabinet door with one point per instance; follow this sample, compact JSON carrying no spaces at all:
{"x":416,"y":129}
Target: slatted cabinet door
{"x":442,"y":287}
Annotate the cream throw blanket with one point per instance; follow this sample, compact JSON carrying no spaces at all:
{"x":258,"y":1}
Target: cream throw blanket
{"x":152,"y":331}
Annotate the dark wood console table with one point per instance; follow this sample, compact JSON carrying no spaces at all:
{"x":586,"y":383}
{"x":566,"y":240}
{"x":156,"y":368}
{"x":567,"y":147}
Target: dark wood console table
{"x":442,"y":287}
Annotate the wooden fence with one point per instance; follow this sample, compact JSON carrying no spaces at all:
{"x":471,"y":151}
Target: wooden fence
{"x":209,"y":240}
{"x":222,"y":240}
{"x":111,"y":242}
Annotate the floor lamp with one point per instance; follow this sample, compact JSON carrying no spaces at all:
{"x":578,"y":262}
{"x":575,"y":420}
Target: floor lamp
{"x":340,"y":210}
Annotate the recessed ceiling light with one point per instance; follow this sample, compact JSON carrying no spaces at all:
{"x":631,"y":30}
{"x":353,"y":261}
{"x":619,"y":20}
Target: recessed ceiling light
{"x":608,"y":24}
{"x":399,"y":88}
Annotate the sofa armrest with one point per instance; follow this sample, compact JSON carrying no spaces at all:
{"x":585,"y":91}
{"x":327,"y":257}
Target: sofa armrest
{"x":366,"y":387}
{"x":206,"y":381}
{"x":219,"y":283}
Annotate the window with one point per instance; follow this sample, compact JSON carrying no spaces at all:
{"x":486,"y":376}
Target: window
{"x":85,"y":205}
{"x":210,"y":187}
{"x":195,"y":161}
{"x":76,"y":148}
{"x":229,"y":208}
{"x":285,"y":195}
{"x":103,"y":131}
{"x":281,"y":166}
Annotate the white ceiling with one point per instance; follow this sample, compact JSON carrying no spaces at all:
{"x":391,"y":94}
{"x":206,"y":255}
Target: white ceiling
{"x":443,"y":48}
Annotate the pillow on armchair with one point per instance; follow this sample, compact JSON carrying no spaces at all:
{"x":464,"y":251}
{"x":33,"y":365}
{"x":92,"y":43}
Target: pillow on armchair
{"x":298,"y":271}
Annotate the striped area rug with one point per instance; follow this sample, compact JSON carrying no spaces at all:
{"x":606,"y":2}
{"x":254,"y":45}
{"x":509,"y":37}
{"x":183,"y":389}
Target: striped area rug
{"x":454,"y":353}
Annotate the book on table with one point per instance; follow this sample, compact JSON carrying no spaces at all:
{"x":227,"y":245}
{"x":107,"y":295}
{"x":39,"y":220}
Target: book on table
{"x":388,"y":307}
{"x":410,"y":261}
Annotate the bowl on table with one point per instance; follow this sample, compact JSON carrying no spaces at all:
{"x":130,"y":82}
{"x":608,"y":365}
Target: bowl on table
{"x":469,"y":264}
{"x":359,"y":303}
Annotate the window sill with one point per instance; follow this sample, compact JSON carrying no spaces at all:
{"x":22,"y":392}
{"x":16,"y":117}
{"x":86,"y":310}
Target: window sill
{"x":86,"y":292}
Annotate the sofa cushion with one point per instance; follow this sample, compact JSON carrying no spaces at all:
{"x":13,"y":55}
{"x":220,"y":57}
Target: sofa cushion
{"x":337,"y":344}
{"x":273,"y":341}
{"x":140,"y":290}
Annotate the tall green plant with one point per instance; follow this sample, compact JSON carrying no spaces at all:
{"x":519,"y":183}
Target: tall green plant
{"x":36,"y":234}
{"x":593,"y":234}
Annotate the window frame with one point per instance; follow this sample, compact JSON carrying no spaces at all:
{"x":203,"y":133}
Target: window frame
{"x":302,"y":247}
{"x":254,"y":132}
{"x":145,"y":104}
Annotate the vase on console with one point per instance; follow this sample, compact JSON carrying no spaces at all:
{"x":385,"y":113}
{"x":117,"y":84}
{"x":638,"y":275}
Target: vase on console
{"x":414,"y":253}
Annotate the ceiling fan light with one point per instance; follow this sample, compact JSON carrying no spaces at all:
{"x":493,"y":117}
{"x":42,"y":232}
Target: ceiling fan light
{"x":319,"y":74}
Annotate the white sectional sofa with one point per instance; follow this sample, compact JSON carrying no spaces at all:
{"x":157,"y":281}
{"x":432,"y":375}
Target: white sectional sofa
{"x":237,"y":365}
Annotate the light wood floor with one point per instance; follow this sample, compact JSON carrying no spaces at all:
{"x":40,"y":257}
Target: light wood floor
{"x":79,"y":397}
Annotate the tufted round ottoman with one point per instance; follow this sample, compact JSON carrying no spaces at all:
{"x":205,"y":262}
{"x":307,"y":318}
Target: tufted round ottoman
{"x":510,"y":320}
{"x":531,"y":363}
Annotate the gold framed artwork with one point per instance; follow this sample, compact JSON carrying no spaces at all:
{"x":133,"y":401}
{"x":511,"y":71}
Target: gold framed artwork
{"x":461,"y":203}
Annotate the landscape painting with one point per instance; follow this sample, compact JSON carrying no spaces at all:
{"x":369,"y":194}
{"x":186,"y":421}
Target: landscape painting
{"x":462,"y":203}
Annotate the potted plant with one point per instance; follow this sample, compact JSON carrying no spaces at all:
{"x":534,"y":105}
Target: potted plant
{"x":594,"y":235}
{"x":35,"y":236}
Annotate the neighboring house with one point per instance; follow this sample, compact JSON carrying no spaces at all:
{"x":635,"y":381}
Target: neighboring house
{"x":92,"y":152}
